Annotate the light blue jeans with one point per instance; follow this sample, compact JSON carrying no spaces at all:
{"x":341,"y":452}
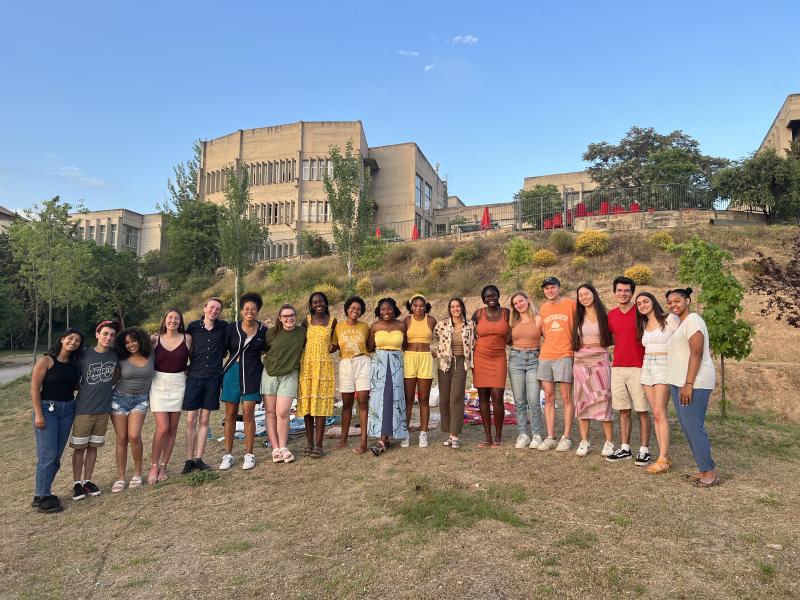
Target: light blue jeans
{"x":522,"y":368}
{"x":692,"y":419}
{"x":50,"y":443}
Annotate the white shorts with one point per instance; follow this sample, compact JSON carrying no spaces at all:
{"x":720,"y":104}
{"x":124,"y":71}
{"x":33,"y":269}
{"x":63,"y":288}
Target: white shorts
{"x":654,"y":369}
{"x":354,"y":374}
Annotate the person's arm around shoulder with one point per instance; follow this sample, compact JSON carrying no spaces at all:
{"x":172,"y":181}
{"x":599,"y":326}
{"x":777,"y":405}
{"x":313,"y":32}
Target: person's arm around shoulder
{"x":371,"y":339}
{"x":37,"y":378}
{"x":189,"y":342}
{"x":331,"y":346}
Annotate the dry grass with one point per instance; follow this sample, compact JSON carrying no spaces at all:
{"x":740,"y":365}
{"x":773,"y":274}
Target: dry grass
{"x":416,"y":523}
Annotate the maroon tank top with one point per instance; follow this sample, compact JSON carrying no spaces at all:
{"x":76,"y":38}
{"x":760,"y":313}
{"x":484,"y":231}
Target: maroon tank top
{"x":171,"y":361}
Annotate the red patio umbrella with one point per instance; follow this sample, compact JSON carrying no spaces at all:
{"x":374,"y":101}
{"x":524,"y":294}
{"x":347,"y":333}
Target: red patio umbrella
{"x":486,"y":222}
{"x":415,"y":233}
{"x":377,"y":232}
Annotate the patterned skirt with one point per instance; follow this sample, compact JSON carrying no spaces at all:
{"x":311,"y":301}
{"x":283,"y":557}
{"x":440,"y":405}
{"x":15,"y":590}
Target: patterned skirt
{"x":387,"y":398}
{"x":592,"y":384}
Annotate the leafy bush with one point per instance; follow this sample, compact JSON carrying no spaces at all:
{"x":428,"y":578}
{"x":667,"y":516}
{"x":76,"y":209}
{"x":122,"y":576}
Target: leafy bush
{"x":439,"y":267}
{"x":416,"y":271}
{"x":544,"y":258}
{"x":312,"y":243}
{"x":593,"y":243}
{"x":466,"y":254}
{"x":364,"y":287}
{"x":331,"y":291}
{"x":310,"y":275}
{"x":399,"y":253}
{"x":513,"y":278}
{"x":579,"y":263}
{"x":277,"y":271}
{"x":661,"y":239}
{"x":372,"y":254}
{"x":641,"y":274}
{"x":385,"y":282}
{"x":468,"y":280}
{"x":562,"y":240}
{"x":533,"y":284}
{"x":519,"y":253}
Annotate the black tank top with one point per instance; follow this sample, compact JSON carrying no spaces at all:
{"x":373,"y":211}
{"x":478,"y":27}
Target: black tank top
{"x":59,"y":381}
{"x":171,"y":361}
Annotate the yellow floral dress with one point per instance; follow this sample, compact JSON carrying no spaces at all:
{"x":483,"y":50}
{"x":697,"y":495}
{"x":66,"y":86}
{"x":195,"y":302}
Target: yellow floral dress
{"x":317,"y":384}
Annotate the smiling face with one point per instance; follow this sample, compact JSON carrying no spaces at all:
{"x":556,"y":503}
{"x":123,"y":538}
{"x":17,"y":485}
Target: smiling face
{"x":491,"y":298}
{"x":455,"y":309}
{"x":71,"y":342}
{"x":288,"y":318}
{"x":318,"y":304}
{"x":677,"y":304}
{"x":354,"y":311}
{"x":212,"y":310}
{"x":644,"y":305}
{"x":249,"y":311}
{"x":551,"y":291}
{"x":623,"y":293}
{"x":105,"y":337}
{"x":418,"y":308}
{"x":386,"y":311}
{"x":520,"y":303}
{"x":585,"y":297}
{"x":172,"y":321}
{"x":131,"y":344}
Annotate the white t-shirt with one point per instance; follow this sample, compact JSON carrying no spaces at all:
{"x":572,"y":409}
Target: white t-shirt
{"x":678,"y":355}
{"x":656,"y":340}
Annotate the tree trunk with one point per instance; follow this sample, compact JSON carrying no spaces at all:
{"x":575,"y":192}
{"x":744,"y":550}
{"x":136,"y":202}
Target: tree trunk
{"x":50,"y":323}
{"x":724,"y":401}
{"x":236,"y":294}
{"x":35,"y":329}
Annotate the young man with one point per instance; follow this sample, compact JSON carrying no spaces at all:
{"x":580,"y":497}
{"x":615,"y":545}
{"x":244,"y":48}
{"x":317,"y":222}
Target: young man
{"x":555,"y":361}
{"x":626,"y":392}
{"x":92,"y":408}
{"x":203,"y":381}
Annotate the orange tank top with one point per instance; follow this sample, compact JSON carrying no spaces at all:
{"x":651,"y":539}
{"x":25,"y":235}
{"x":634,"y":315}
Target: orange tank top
{"x":525,"y":336}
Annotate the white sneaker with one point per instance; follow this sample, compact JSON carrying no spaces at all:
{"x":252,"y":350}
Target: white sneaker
{"x":249,"y":462}
{"x":535,"y":442}
{"x":423,"y":439}
{"x":564,"y":444}
{"x":583,"y":448}
{"x":608,"y":449}
{"x":227,"y":462}
{"x":405,"y":442}
{"x":548,"y":444}
{"x":522,"y":441}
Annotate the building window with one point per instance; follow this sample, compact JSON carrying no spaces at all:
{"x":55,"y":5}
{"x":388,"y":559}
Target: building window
{"x":314,"y":169}
{"x":80,"y":233}
{"x":428,"y":194}
{"x":330,"y":168}
{"x":306,"y":169}
{"x":130,"y":237}
{"x":91,"y":233}
{"x":419,"y":192}
{"x":101,"y":235}
{"x":112,"y":235}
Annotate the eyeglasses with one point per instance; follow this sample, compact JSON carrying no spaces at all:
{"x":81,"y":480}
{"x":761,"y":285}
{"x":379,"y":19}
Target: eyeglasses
{"x":288,"y":316}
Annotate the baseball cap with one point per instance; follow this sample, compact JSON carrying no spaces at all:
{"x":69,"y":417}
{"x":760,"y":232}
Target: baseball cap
{"x":551,"y":281}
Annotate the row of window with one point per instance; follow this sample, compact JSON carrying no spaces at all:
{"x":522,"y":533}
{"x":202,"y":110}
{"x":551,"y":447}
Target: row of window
{"x":424,"y":194}
{"x":272,"y":213}
{"x":314,"y":169}
{"x":278,"y":171}
{"x":278,"y":250}
{"x":130,"y":235}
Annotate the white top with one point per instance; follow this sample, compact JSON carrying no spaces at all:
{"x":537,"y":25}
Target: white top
{"x":678,"y":355}
{"x":656,"y":340}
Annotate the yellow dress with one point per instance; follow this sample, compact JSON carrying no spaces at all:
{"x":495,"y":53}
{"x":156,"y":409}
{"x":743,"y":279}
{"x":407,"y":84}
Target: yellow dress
{"x":317,"y":384}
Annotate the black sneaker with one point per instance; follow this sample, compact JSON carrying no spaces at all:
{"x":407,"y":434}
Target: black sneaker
{"x":642,"y":459}
{"x":188,"y":467}
{"x":78,"y":492}
{"x":91,"y":489}
{"x":200,"y":465}
{"x":50,"y":504}
{"x":619,"y":454}
{"x":36,"y":501}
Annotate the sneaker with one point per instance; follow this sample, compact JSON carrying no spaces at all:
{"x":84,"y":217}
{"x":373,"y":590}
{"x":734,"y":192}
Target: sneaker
{"x":249,"y":462}
{"x":548,"y":444}
{"x":642,"y":459}
{"x":91,"y":489}
{"x":227,"y":462}
{"x":564,"y":444}
{"x":423,"y":439}
{"x":405,"y":442}
{"x":522,"y":441}
{"x":50,"y":504}
{"x":536,"y":441}
{"x":188,"y":467}
{"x":200,"y":465}
{"x":620,"y":454}
{"x":77,"y":491}
{"x":36,"y":501}
{"x":583,"y":448}
{"x":608,"y":449}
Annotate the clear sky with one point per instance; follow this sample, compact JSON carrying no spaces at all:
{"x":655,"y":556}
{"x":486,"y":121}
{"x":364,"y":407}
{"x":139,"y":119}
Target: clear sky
{"x":98,"y":100}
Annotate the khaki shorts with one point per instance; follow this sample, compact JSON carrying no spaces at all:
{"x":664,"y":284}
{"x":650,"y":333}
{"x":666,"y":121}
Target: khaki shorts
{"x":354,"y":374}
{"x":89,"y":430}
{"x":417,"y":365}
{"x":626,"y":389}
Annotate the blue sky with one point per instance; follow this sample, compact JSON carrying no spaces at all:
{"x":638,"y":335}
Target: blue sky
{"x":100,"y":99}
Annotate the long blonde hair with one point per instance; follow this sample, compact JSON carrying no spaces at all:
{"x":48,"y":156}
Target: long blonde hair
{"x":514,"y":315}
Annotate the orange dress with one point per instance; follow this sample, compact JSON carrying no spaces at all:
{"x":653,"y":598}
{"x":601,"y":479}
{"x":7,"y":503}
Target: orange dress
{"x":490,"y":363}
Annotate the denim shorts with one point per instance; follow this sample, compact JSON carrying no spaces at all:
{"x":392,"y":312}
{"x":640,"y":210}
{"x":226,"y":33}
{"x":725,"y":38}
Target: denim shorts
{"x":123,"y":404}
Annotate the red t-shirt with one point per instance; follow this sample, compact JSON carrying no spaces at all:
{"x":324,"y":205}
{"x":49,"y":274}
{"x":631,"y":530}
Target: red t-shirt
{"x":628,"y":350}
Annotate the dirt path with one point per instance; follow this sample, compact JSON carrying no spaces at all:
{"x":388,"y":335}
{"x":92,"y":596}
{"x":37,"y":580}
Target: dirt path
{"x":14,"y":366}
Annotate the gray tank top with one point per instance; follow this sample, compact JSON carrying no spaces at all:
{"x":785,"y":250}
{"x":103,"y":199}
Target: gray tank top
{"x":135,"y":380}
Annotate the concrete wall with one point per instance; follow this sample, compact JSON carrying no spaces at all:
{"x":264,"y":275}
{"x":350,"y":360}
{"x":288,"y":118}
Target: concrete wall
{"x":109,"y":227}
{"x":787,"y":121}
{"x":576,"y":181}
{"x":664,"y":219}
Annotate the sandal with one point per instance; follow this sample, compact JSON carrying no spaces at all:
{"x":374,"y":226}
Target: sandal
{"x":485,"y":444}
{"x":378,"y":448}
{"x":497,"y":444}
{"x":692,"y":476}
{"x":359,"y":450}
{"x":308,"y":450}
{"x":286,"y":455}
{"x":162,"y":472}
{"x":701,"y":484}
{"x":317,"y":452}
{"x":152,"y":476}
{"x":448,"y":441}
{"x":662,"y":465}
{"x":119,"y":485}
{"x":455,"y":444}
{"x":277,"y":456}
{"x":136,"y":481}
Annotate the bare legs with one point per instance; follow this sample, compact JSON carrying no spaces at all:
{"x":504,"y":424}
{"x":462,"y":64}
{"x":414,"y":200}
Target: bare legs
{"x":277,"y":417}
{"x":658,"y":397}
{"x":347,"y":416}
{"x":128,"y":429}
{"x":495,"y":397}
{"x":549,"y":389}
{"x":196,"y":432}
{"x":163,"y":443}
{"x":625,"y":426}
{"x":608,"y":429}
{"x":423,"y":388}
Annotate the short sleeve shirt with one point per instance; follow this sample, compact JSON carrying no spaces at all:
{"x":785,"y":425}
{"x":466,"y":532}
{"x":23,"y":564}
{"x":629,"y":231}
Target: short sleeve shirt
{"x":97,"y":369}
{"x":557,"y":321}
{"x":628,"y":350}
{"x":678,"y":355}
{"x":208,"y":349}
{"x":351,"y":339}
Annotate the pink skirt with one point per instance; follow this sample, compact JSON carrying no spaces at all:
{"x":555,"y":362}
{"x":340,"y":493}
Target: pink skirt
{"x":591,"y":373}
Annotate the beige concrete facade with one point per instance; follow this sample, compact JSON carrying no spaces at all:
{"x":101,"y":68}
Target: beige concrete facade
{"x":286,"y":165}
{"x":576,"y":181}
{"x":7,"y":217}
{"x":785,"y":128}
{"x":121,"y":229}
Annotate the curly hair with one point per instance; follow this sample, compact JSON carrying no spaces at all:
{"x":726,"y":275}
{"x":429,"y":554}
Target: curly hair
{"x":251,"y":297}
{"x":418,"y":297}
{"x":392,"y":302}
{"x":357,"y":300}
{"x":138,"y":334}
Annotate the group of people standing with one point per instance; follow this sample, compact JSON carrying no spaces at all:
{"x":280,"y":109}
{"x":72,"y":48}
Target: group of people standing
{"x":383,"y":368}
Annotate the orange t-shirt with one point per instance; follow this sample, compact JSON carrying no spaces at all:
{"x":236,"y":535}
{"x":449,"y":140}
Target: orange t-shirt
{"x":558,"y":319}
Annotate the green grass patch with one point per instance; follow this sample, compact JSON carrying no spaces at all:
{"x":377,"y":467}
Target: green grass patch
{"x":232,"y":548}
{"x":768,"y":500}
{"x":579,"y":539}
{"x":260,"y":527}
{"x":766,"y":570}
{"x":135,"y":583}
{"x":196,"y":478}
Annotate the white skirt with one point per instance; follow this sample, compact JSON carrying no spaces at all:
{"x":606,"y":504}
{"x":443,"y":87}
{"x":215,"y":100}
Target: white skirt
{"x":166,"y":392}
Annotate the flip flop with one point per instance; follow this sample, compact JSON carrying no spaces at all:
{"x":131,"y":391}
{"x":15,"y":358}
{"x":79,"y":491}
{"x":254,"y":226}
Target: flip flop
{"x":702,"y":484}
{"x":119,"y":486}
{"x":136,"y":481}
{"x":485,"y":444}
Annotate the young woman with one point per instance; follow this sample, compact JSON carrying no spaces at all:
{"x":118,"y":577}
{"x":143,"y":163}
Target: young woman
{"x":591,"y":370}
{"x":655,"y":328}
{"x":418,"y":363}
{"x":317,"y":384}
{"x":350,"y":338}
{"x":279,"y":380}
{"x":130,"y":400}
{"x":241,"y":378}
{"x":54,"y":379}
{"x":171,"y":352}
{"x":387,"y":399}
{"x":490,"y":364}
{"x":691,"y":377}
{"x":523,"y":363}
{"x":455,"y":337}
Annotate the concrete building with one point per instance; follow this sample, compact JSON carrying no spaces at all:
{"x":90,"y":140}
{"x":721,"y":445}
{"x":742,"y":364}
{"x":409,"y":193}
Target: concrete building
{"x":7,"y":217}
{"x":287,"y":163}
{"x":122,"y":229}
{"x":785,"y":128}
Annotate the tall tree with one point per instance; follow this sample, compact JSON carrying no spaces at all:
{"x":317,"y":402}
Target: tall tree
{"x":122,"y":292}
{"x":352,"y":210}
{"x":646,"y":157}
{"x":240,"y":233}
{"x":539,"y":202}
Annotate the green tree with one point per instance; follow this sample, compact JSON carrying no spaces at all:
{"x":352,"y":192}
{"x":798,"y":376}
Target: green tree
{"x":122,"y":293}
{"x":538,"y":203}
{"x":729,"y":335}
{"x":765,"y":181}
{"x":11,"y":316}
{"x":352,"y":209}
{"x":240,"y":233}
{"x":312,"y":243}
{"x":646,"y":157}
